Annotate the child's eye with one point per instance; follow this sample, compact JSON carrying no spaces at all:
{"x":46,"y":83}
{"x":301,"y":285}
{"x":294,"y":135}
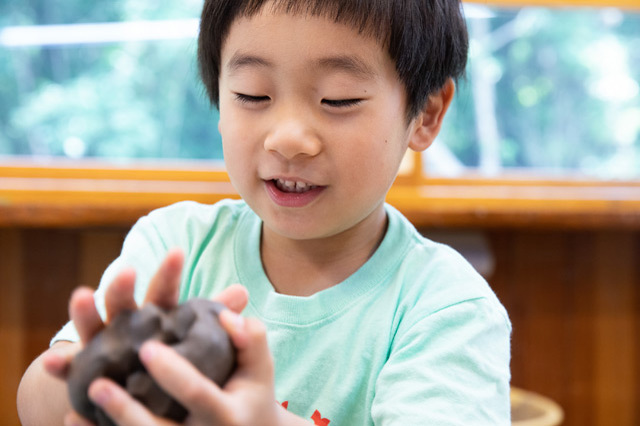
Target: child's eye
{"x":341,"y":103}
{"x":249,"y":99}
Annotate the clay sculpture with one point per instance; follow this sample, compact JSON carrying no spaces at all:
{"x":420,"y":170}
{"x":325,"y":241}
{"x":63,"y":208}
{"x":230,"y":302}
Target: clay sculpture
{"x":192,"y":329}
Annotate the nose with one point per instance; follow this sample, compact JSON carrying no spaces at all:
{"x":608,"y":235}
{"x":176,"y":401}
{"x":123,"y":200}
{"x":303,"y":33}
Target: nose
{"x":291,"y":138}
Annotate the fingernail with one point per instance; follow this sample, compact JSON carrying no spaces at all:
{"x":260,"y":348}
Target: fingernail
{"x":100,"y":396}
{"x":148,"y":351}
{"x":237,"y":321}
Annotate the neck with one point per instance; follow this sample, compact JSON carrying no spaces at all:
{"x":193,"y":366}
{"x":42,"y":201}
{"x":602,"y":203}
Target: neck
{"x":305,"y":267}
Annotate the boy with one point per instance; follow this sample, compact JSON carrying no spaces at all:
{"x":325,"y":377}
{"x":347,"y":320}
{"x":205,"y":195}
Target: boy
{"x":367,"y":322}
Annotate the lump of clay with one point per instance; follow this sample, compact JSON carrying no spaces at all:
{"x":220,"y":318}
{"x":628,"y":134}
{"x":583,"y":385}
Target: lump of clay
{"x":192,"y":329}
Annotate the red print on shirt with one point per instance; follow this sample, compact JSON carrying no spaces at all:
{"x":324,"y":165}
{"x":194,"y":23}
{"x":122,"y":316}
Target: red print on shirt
{"x":316,"y":417}
{"x":318,"y":420}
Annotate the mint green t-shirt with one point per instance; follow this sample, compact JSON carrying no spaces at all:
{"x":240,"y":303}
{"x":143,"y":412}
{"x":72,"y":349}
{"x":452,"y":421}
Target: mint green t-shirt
{"x":414,"y":337}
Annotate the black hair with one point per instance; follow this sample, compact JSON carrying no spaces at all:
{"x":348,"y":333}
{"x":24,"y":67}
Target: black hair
{"x":427,"y":39}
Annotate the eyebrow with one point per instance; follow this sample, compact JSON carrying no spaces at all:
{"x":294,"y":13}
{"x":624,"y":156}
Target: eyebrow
{"x":240,"y":60}
{"x":341,"y":63}
{"x":349,"y":64}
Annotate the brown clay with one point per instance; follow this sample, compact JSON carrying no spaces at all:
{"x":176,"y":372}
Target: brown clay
{"x":192,"y":329}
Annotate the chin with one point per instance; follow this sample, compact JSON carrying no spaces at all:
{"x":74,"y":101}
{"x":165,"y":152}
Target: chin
{"x":299,"y":233}
{"x":294,"y":230}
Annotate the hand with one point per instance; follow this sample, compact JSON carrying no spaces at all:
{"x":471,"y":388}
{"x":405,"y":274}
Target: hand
{"x":163,"y":291}
{"x":246,"y":399}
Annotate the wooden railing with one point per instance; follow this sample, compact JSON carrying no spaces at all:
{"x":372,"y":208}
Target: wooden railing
{"x":64,"y":196}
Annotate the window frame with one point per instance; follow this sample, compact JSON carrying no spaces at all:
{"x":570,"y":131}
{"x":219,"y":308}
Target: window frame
{"x":64,"y":193}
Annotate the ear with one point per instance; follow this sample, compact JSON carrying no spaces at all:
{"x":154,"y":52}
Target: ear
{"x":426,"y":125}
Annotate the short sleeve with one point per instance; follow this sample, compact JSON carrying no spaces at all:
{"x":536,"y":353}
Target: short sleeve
{"x":449,"y":368}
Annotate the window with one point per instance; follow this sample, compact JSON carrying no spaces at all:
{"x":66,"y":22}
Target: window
{"x":549,"y":91}
{"x":116,"y":80}
{"x":103,"y":118}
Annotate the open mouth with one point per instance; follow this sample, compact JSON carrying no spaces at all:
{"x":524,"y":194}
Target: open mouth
{"x":291,"y":186}
{"x":291,"y":193}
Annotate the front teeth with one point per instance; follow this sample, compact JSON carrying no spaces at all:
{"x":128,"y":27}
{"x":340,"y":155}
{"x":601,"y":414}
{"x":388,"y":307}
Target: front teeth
{"x":293,"y":186}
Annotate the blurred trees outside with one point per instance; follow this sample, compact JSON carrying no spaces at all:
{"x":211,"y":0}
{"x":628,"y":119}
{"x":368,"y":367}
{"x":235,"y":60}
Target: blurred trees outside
{"x":130,"y":100}
{"x":554,"y":91}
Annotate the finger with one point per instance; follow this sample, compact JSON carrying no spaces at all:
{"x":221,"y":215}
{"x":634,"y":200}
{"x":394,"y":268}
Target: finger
{"x":180,"y":379}
{"x":119,"y":294}
{"x":249,"y":336}
{"x":57,"y":359}
{"x":83,"y":313}
{"x":234,"y":297}
{"x":74,"y":419}
{"x":120,"y":406}
{"x":165,"y":284}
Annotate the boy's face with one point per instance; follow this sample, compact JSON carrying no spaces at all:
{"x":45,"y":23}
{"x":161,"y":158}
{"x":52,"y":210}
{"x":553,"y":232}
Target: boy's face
{"x":313,"y":123}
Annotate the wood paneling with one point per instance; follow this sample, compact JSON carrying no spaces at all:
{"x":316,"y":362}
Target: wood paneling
{"x":50,"y":271}
{"x":12,"y":330}
{"x":616,"y":331}
{"x":572,"y":296}
{"x":573,"y":301}
{"x":39,"y":268}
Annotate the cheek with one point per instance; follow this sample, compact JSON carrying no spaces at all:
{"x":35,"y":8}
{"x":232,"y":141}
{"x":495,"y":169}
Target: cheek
{"x":235,"y":138}
{"x":385,"y":146}
{"x":370,"y":167}
{"x":233,"y":127}
{"x":371,"y":150}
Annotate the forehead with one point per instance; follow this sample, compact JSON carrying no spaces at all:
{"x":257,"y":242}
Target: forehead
{"x":369,"y":17}
{"x":269,"y":39}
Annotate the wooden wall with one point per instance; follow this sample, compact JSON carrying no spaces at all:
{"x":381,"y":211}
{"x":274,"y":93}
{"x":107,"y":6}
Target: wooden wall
{"x":574,"y":303}
{"x":38,"y":270}
{"x":572,"y":296}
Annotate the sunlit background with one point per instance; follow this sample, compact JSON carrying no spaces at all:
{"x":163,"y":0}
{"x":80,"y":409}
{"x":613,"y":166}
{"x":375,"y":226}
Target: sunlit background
{"x":552,"y":92}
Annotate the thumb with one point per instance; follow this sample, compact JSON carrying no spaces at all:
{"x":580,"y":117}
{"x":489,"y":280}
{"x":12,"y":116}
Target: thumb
{"x":249,"y":336}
